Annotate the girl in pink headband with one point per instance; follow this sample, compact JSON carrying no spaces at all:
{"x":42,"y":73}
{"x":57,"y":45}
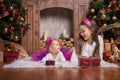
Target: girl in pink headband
{"x":90,"y":43}
{"x":54,"y":52}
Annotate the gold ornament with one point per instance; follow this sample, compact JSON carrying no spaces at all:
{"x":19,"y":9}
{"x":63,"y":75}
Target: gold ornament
{"x":26,"y":8}
{"x":22,"y":19}
{"x":16,"y":38}
{"x":114,"y":18}
{"x":103,"y":17}
{"x":104,"y":25}
{"x":11,"y":8}
{"x":5,"y":30}
{"x":92,"y":10}
{"x":94,"y":17}
{"x":109,"y":6}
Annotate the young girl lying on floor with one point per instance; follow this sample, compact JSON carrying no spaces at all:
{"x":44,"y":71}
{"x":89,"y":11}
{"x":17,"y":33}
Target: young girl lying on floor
{"x":54,"y":51}
{"x":90,"y":43}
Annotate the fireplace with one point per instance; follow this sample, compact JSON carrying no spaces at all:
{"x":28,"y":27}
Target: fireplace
{"x":64,"y":14}
{"x":55,"y":22}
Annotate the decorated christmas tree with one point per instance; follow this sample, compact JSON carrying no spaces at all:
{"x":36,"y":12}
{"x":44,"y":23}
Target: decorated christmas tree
{"x":12,"y":20}
{"x":107,"y":15}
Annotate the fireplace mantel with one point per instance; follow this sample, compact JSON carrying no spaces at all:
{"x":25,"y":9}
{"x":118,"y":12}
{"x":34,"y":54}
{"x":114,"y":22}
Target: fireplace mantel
{"x":31,"y":41}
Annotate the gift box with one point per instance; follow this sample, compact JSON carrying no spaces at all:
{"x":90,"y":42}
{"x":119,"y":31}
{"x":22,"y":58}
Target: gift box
{"x":9,"y":59}
{"x":89,"y":62}
{"x":10,"y":56}
{"x":95,"y":61}
{"x":84,"y":62}
{"x":106,"y":56}
{"x":50,"y":62}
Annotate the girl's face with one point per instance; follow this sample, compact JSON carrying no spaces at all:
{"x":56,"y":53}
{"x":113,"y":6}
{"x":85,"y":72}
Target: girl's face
{"x":55,"y":46}
{"x":85,"y":33}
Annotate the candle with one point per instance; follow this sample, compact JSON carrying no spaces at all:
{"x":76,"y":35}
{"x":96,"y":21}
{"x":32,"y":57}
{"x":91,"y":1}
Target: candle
{"x":64,"y":32}
{"x":45,"y":35}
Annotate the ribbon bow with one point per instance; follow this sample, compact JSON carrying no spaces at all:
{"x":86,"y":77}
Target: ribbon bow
{"x":49,"y":41}
{"x":87,"y":21}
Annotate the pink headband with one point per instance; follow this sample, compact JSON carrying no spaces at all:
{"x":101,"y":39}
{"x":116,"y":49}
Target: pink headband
{"x":87,"y":21}
{"x":49,"y":41}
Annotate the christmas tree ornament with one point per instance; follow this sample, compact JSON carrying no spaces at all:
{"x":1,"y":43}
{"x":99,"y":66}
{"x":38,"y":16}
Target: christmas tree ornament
{"x":114,"y":18}
{"x":16,"y":38}
{"x":94,"y":17}
{"x":6,"y":13}
{"x":112,"y":30}
{"x":5,"y":30}
{"x":109,"y":6}
{"x":109,"y":10}
{"x":11,"y":8}
{"x":11,"y":19}
{"x":0,"y":16}
{"x":104,"y":25}
{"x":26,"y":8}
{"x":103,"y":17}
{"x":92,"y":10}
{"x":14,"y":11}
{"x":112,"y":2}
{"x":2,"y":5}
{"x":22,"y":19}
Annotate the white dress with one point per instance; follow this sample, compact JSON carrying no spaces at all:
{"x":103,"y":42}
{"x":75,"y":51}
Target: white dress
{"x":87,"y":50}
{"x":59,"y":57}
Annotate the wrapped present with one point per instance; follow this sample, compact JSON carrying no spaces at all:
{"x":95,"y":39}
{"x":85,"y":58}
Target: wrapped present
{"x":9,"y":59}
{"x":84,"y":62}
{"x":106,"y":56}
{"x":95,"y":61}
{"x":89,"y":62}
{"x":10,"y":56}
{"x":50,"y":62}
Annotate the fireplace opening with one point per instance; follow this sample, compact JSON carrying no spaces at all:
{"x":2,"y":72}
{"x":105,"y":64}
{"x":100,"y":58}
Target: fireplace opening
{"x":56,"y":22}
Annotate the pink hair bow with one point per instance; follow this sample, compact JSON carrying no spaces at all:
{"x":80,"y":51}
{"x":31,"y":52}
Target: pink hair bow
{"x":87,"y":21}
{"x":49,"y":41}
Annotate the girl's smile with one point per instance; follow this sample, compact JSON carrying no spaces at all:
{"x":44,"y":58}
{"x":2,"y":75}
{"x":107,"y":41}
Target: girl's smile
{"x":86,"y":33}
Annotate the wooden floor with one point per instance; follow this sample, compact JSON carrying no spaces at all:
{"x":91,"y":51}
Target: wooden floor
{"x":51,"y":73}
